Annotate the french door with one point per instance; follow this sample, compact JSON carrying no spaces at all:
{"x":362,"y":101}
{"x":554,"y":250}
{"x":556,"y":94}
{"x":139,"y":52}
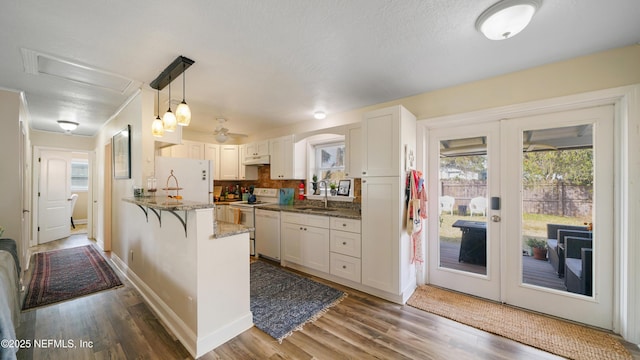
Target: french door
{"x":464,"y":248}
{"x":500,"y":186}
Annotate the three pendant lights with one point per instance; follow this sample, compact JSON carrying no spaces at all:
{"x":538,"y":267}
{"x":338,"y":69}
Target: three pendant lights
{"x":182,"y":116}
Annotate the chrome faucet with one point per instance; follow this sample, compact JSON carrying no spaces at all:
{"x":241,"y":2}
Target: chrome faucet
{"x":325,"y":191}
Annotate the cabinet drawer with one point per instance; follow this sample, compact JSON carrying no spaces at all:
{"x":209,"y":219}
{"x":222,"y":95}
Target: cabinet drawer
{"x":345,"y":267}
{"x":346,"y":243}
{"x":305,"y":219}
{"x":317,"y":221}
{"x":292,"y":218}
{"x":351,"y":225}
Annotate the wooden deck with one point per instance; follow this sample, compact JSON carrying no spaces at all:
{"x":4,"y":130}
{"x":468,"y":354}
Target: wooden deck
{"x":535,"y":272}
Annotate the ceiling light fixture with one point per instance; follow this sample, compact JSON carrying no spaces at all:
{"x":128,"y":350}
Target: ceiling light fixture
{"x":319,"y":115}
{"x":169,"y":119}
{"x":507,"y":18}
{"x":221,"y":137}
{"x":157,"y":128}
{"x":68,"y":126}
{"x":183,"y":113}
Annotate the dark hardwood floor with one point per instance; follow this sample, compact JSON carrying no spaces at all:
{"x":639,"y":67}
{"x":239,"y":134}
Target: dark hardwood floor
{"x":121,"y":326}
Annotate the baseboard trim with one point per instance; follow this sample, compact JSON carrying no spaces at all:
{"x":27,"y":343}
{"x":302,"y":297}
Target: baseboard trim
{"x":169,"y":318}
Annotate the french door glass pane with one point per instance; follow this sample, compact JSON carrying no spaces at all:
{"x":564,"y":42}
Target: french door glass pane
{"x":463,"y":204}
{"x":557,"y":208}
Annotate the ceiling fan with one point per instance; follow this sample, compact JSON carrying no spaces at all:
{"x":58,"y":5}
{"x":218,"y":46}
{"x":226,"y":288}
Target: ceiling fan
{"x":222,"y":133}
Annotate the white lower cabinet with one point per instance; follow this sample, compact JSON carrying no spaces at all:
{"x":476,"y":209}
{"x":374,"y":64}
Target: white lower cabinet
{"x":305,"y":240}
{"x":346,"y":249}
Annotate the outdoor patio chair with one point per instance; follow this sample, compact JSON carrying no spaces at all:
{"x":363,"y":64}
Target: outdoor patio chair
{"x":555,"y":243}
{"x":446,"y":204}
{"x":478,"y":205}
{"x":578,"y":265}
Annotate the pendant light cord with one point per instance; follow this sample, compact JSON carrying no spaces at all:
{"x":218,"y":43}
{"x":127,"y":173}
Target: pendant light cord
{"x":183,"y":81}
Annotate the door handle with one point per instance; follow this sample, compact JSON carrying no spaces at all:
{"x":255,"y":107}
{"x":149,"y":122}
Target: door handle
{"x":495,"y":218}
{"x":25,"y":211}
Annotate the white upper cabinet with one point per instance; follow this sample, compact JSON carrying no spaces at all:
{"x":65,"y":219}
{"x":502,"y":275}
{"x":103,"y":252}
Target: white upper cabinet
{"x":288,"y":159}
{"x":353,"y":145}
{"x":258,"y":148}
{"x":246,"y":172}
{"x":388,"y":141}
{"x":229,"y":162}
{"x":186,"y":150}
{"x":212,"y":152}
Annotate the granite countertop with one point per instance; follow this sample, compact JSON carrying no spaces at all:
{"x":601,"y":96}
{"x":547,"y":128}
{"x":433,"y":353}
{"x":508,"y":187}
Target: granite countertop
{"x":223,"y":229}
{"x":169,"y":204}
{"x":314,"y":210}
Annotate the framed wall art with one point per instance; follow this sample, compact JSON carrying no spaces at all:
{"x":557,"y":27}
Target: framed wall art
{"x":344,"y":187}
{"x":121,"y":145}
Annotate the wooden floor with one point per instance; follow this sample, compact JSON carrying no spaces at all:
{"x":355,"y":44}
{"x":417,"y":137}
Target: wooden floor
{"x":535,"y":272}
{"x":121,"y":326}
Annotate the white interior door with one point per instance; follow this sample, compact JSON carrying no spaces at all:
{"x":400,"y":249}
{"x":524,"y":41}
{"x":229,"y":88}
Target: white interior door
{"x":55,"y":192}
{"x":464,"y":248}
{"x":587,"y":136}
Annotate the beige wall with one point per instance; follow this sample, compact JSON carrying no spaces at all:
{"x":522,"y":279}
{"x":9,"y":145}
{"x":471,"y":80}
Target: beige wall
{"x":10,"y":187}
{"x":609,"y":69}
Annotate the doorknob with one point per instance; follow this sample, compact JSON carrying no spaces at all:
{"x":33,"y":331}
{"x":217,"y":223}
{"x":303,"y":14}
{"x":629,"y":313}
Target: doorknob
{"x":495,"y":218}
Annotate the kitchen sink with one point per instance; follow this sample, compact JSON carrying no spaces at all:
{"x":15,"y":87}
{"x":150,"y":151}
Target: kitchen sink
{"x":310,"y":208}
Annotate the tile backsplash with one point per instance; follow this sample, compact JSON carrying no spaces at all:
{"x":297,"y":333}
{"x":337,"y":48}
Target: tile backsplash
{"x":265,"y":181}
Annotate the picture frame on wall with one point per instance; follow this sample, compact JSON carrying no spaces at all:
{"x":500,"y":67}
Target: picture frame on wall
{"x":344,"y":186}
{"x":121,"y":145}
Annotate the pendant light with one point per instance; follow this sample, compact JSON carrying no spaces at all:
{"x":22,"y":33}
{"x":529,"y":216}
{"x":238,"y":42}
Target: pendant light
{"x":157,"y":129}
{"x":183,"y":113}
{"x":169,"y":119}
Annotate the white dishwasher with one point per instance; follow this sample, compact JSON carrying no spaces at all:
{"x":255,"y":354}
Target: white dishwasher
{"x":267,"y":224}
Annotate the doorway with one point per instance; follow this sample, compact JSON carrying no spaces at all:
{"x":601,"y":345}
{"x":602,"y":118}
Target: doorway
{"x":497,"y":190}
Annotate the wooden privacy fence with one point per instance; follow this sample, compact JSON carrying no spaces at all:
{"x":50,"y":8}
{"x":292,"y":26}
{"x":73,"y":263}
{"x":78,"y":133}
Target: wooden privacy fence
{"x":555,"y":198}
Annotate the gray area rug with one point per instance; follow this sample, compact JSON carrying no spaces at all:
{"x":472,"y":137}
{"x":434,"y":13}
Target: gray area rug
{"x":282,"y":302}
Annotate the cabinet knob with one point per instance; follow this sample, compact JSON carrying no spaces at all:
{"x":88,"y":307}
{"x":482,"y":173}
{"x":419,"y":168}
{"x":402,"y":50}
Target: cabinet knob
{"x":300,"y":227}
{"x":305,"y":229}
{"x":364,"y":173}
{"x":344,"y":224}
{"x":344,"y":266}
{"x":344,"y":243}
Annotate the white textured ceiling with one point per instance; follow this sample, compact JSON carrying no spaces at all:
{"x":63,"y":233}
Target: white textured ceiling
{"x":269,"y":63}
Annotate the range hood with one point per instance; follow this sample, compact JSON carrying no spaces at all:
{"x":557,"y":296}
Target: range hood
{"x":256,"y":160}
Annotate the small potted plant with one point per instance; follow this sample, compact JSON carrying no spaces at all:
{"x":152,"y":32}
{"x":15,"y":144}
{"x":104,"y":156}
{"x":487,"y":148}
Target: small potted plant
{"x":314,"y":184}
{"x":333,"y":187}
{"x":538,"y":247}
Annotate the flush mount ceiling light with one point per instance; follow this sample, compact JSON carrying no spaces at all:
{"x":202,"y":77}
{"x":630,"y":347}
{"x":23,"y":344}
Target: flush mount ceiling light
{"x":68,"y":126}
{"x":319,"y":115}
{"x":507,"y":18}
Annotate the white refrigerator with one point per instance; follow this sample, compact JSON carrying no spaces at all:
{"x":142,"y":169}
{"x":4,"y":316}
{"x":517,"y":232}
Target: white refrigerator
{"x":195,"y":178}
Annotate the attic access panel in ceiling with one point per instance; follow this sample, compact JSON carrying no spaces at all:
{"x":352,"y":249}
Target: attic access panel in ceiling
{"x":38,"y":63}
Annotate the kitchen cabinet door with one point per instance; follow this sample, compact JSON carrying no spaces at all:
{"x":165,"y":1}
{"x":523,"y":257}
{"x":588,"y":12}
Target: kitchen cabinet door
{"x":315,"y":248}
{"x":353,"y":145}
{"x":258,"y":148}
{"x":228,"y":162}
{"x":381,"y":219}
{"x":291,"y":242}
{"x":288,"y":158}
{"x":188,"y":150}
{"x":245,"y":172}
{"x":212,"y":152}
{"x":388,"y":142}
{"x":222,"y":212}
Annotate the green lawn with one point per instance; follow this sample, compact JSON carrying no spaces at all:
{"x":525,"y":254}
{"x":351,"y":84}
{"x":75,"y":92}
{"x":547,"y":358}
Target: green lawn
{"x":535,"y":225}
